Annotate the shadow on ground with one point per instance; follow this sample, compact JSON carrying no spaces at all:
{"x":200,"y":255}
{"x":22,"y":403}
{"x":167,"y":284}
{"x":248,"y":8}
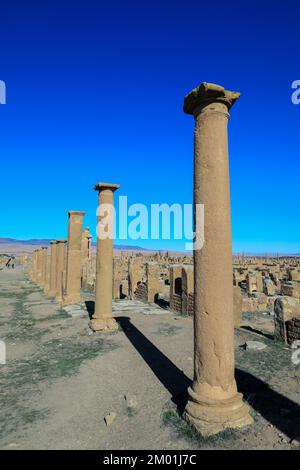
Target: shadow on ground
{"x":90,"y":306}
{"x":280,"y":411}
{"x":277,"y":409}
{"x":172,"y":378}
{"x":258,"y":332}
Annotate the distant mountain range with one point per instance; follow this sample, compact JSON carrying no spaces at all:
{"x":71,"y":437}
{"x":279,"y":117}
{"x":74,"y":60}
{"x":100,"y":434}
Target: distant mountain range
{"x":33,"y":241}
{"x":11,"y":245}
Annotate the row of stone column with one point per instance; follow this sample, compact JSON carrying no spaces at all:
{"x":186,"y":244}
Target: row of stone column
{"x":62,"y":278}
{"x":53,"y":283}
{"x":214,"y":403}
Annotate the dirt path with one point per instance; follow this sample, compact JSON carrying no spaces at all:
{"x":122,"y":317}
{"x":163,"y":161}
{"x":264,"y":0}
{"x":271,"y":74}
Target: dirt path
{"x":60,"y":381}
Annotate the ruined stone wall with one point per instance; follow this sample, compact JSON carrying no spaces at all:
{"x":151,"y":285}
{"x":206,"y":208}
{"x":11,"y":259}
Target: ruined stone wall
{"x":120,"y":278}
{"x":293,"y":330}
{"x":286,"y":310}
{"x":238,"y":277}
{"x":259,"y":302}
{"x":293,"y":275}
{"x":190,"y":308}
{"x":237,"y":306}
{"x":136,"y":274}
{"x":141,"y":292}
{"x":291,"y":289}
{"x":177,"y":303}
{"x":175,"y":287}
{"x":153,"y":281}
{"x":260,"y":281}
{"x":187,"y":295}
{"x":88,"y":275}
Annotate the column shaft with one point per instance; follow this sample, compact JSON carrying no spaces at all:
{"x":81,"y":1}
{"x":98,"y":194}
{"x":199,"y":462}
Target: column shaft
{"x":44,"y":255}
{"x":39,"y":267}
{"x":53,"y":269}
{"x":214,"y":403}
{"x":60,"y":266}
{"x":102,"y":318}
{"x":34,"y":266}
{"x":73,"y":278}
{"x":213,"y":263}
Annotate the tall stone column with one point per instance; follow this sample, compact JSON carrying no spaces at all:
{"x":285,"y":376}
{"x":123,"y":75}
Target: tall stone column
{"x":60,"y":268}
{"x":86,"y":246}
{"x":214,"y":403}
{"x":38,"y":266}
{"x":41,"y":268}
{"x":34,"y":266}
{"x":44,"y":256}
{"x":73,"y":279}
{"x":53,"y":268}
{"x":102,"y":318}
{"x":86,"y":257}
{"x":47,"y":283}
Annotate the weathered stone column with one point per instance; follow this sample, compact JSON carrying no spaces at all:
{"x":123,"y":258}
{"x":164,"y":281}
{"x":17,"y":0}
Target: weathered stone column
{"x":44,"y":253}
{"x":53,"y":268}
{"x":34,"y":266}
{"x":86,"y":256}
{"x":73,"y":279}
{"x":86,"y":246}
{"x":102,"y":318}
{"x":38,"y":266}
{"x":47,"y":282}
{"x":60,"y":268}
{"x":214,"y":403}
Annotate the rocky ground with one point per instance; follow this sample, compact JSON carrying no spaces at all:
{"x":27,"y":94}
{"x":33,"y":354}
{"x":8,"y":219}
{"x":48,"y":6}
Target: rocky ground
{"x":60,"y":381}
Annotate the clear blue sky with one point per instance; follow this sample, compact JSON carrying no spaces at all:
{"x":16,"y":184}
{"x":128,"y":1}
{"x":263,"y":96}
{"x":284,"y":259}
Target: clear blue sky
{"x":95,"y":93}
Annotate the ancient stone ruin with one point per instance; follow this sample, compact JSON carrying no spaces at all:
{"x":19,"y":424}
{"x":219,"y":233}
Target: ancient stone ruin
{"x":231,"y":305}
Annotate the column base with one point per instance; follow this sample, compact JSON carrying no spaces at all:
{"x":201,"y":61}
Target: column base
{"x":103,"y":324}
{"x":211,"y":417}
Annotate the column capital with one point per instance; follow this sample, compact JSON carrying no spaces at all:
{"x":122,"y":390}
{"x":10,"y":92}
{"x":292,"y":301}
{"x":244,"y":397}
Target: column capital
{"x":102,"y":186}
{"x":86,"y":233}
{"x":82,"y":213}
{"x":208,"y":93}
{"x":61,"y":240}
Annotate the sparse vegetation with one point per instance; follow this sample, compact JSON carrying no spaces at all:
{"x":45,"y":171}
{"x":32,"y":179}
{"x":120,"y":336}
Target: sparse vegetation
{"x":131,"y":412}
{"x":171,"y":418}
{"x":167,"y":330}
{"x":52,"y":359}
